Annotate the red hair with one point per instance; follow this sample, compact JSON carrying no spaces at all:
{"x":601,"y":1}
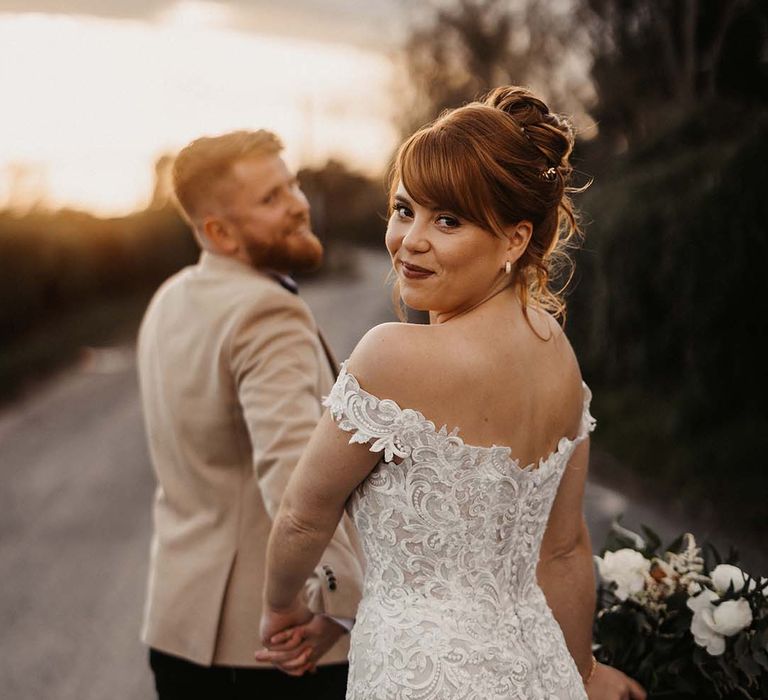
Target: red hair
{"x":495,"y":163}
{"x":200,"y":166}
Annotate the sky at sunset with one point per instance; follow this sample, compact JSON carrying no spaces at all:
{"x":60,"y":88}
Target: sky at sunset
{"x":92,"y":97}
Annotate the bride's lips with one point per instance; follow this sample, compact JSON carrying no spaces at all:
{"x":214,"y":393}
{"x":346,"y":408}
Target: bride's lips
{"x":414,"y":272}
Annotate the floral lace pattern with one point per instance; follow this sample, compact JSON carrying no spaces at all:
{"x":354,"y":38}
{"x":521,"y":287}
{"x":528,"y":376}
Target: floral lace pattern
{"x":451,"y":532}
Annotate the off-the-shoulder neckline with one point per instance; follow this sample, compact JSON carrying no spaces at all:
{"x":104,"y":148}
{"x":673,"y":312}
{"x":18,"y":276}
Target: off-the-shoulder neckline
{"x":455,"y":435}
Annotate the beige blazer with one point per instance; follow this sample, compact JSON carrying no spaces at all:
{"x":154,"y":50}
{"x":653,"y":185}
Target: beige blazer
{"x":232,"y":373}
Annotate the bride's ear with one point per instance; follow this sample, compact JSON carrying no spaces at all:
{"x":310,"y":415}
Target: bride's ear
{"x":518,"y":237}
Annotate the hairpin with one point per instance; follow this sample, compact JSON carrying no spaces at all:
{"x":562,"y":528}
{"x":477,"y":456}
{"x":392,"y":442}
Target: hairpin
{"x":549,"y":173}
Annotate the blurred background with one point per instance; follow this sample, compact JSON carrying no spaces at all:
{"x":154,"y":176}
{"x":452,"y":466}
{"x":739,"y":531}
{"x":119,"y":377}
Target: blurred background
{"x":669,"y":100}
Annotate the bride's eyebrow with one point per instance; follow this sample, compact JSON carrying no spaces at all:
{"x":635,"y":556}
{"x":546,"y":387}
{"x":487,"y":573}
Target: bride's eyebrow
{"x":405,"y":201}
{"x":402,"y":199}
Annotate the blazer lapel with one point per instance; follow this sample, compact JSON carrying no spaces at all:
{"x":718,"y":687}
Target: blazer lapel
{"x":289,"y":283}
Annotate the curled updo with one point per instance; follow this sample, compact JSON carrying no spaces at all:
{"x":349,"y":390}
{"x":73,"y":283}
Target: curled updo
{"x":496,"y":162}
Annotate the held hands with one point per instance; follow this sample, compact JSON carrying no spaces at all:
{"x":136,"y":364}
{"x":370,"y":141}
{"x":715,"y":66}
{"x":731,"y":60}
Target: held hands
{"x":608,"y":683}
{"x":295,"y":639}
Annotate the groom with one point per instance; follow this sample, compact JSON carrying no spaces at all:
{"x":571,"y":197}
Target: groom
{"x":232,"y":370}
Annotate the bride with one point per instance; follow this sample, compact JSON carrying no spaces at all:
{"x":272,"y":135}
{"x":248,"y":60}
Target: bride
{"x":479,"y":580}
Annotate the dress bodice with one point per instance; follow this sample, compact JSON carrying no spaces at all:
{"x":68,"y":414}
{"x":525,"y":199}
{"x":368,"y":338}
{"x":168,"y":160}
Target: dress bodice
{"x":450,"y":531}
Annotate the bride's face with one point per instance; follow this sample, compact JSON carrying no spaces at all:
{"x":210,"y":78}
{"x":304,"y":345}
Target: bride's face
{"x":444,"y":264}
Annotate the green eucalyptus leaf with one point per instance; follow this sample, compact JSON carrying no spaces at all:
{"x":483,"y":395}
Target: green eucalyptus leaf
{"x":676,"y":545}
{"x":728,"y":669}
{"x":711,"y":556}
{"x":749,"y":666}
{"x":733,"y":556}
{"x":620,"y":537}
{"x":741,"y":645}
{"x":652,"y":540}
{"x":761,"y":658}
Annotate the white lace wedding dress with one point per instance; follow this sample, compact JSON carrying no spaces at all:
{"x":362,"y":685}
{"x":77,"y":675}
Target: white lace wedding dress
{"x":451,"y":608}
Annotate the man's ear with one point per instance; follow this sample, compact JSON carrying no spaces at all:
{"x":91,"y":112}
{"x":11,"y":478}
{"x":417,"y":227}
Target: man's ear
{"x":518,"y":237}
{"x":220,"y":236}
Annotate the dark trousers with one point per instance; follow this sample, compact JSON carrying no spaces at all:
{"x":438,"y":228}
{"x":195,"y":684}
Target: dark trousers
{"x":179,"y":679}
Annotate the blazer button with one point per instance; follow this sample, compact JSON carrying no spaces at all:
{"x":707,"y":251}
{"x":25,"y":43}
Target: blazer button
{"x":332,"y":584}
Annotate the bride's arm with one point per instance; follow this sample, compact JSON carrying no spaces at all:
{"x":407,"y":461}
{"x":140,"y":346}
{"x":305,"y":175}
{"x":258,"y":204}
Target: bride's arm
{"x":566,"y":570}
{"x":567,"y":577}
{"x":327,"y":473}
{"x":331,"y":467}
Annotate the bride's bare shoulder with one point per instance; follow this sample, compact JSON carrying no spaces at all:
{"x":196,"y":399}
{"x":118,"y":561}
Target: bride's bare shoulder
{"x":548,"y":330}
{"x":392,"y":358}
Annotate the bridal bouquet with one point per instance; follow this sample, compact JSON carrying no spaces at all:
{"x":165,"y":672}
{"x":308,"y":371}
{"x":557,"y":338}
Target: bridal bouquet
{"x":685,"y":623}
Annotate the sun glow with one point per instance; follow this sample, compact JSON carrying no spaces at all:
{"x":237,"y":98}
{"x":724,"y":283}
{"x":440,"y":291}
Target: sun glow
{"x":197,"y":13}
{"x":90,"y":104}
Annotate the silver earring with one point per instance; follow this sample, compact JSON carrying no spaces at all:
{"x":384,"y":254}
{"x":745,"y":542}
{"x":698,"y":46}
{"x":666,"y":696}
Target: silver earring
{"x":508,"y":267}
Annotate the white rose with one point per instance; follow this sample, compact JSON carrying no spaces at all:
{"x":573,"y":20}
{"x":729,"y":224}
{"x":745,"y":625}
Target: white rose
{"x":725,"y":574}
{"x":711,"y":624}
{"x":730,"y":617}
{"x":626,"y":568}
{"x":703,"y":633}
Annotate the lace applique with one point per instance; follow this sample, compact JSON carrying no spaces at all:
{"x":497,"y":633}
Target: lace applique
{"x":392,"y":429}
{"x":378,"y":421}
{"x":451,"y":607}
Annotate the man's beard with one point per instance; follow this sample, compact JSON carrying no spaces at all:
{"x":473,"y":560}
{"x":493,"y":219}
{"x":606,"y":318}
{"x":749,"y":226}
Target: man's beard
{"x":295,"y":253}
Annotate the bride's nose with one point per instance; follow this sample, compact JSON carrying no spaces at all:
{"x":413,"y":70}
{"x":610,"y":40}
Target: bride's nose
{"x":415,"y":239}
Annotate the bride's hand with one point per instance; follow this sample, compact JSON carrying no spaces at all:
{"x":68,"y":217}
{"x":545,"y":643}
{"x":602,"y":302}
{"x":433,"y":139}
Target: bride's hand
{"x":608,"y":683}
{"x":298,"y":650}
{"x":273,"y":622}
{"x":288,"y":651}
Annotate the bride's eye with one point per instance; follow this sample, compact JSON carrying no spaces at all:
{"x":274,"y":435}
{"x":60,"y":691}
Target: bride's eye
{"x":401,"y":211}
{"x":448,"y":221}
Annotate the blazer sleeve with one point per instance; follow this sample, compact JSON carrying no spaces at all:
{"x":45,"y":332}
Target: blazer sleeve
{"x":275,"y":357}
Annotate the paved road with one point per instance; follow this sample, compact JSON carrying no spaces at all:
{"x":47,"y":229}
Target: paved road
{"x":75,"y":518}
{"x":75,"y":514}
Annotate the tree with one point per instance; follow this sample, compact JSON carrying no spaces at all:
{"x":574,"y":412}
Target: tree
{"x":655,"y":59}
{"x":470,"y":46}
{"x":347,"y":207}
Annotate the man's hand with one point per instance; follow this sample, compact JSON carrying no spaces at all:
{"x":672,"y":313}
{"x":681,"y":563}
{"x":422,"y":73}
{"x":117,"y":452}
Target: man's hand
{"x":297,"y":650}
{"x":608,"y":683}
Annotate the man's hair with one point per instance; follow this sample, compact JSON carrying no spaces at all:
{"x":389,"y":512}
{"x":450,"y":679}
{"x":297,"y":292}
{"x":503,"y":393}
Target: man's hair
{"x":200,"y":166}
